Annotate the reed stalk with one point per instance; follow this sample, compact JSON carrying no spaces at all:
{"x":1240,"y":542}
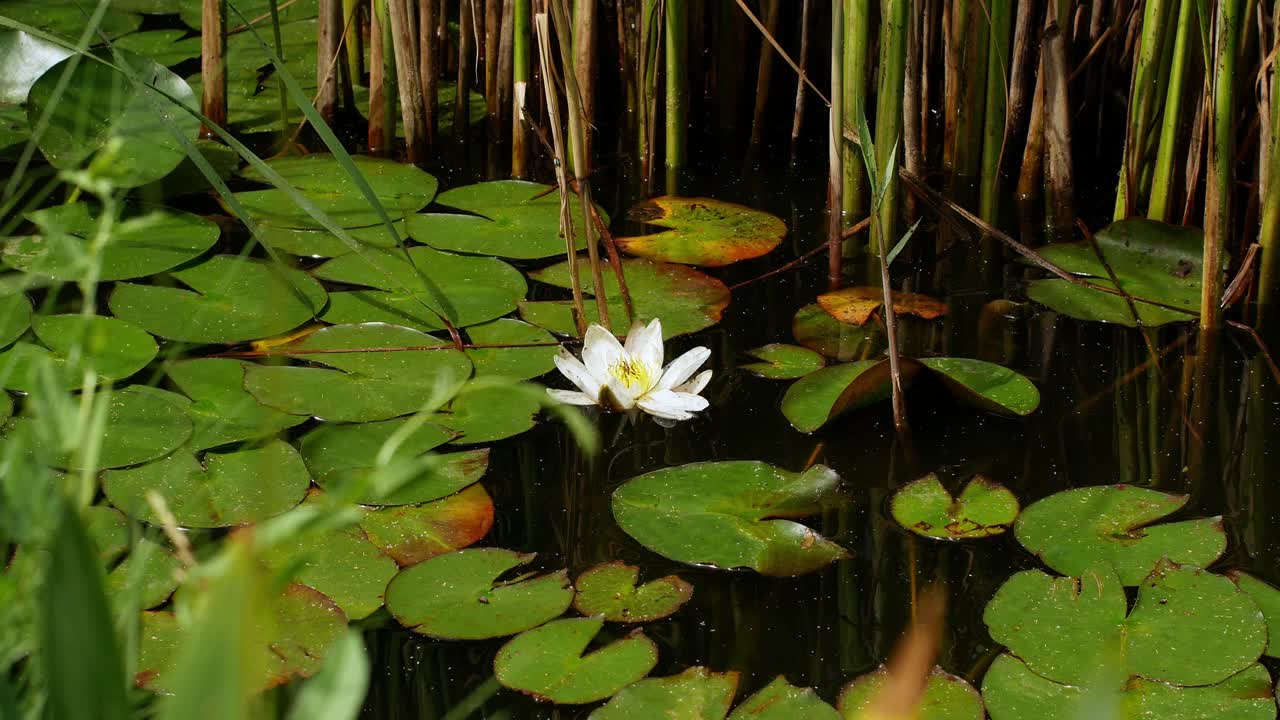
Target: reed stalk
{"x":913,"y":101}
{"x":492,"y":98}
{"x":584,"y":65}
{"x":797,"y":120}
{"x":382,"y":82}
{"x":466,"y":49}
{"x":329,"y":30}
{"x":835,"y":155}
{"x":1217,"y":211}
{"x":764,"y":70}
{"x":1059,"y":176}
{"x":995,"y":116}
{"x":676,"y":32}
{"x":1144,"y":97}
{"x":408,"y":81}
{"x":856,"y":57}
{"x":520,"y":77}
{"x":213,"y":63}
{"x":429,"y":68}
{"x":1269,"y":190}
{"x":353,"y":43}
{"x":274,"y":9}
{"x":647,"y":62}
{"x":1161,"y":194}
{"x":888,"y":132}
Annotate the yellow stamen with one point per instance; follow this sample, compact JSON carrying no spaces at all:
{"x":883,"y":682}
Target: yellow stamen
{"x":632,"y":373}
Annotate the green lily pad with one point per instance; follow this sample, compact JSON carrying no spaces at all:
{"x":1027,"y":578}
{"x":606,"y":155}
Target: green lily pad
{"x":702,"y":231}
{"x":686,"y":300}
{"x":345,"y":456}
{"x":141,"y":425}
{"x":1189,"y":627}
{"x":307,"y":242}
{"x":512,"y":219}
{"x":1267,"y":597}
{"x":489,"y":414}
{"x":71,"y":345}
{"x":946,"y":696}
{"x":610,"y":590}
{"x":362,"y":385}
{"x":410,"y":534}
{"x":1011,"y":691}
{"x":695,"y":694}
{"x":142,"y":244}
{"x":188,"y":179}
{"x":15,"y":317}
{"x":478,"y":288}
{"x":926,"y":508}
{"x":222,"y":410}
{"x":67,"y":18}
{"x":985,"y":385}
{"x":1152,"y":260}
{"x":6,"y":406}
{"x":458,"y":595}
{"x":25,"y":58}
{"x":300,"y":625}
{"x":400,"y":188}
{"x":341,"y":563}
{"x":819,"y":397}
{"x":166,"y":47}
{"x":189,"y":12}
{"x":548,"y":662}
{"x":780,"y":700}
{"x":122,"y":132}
{"x":731,"y":515}
{"x":517,"y":363}
{"x":1074,"y":530}
{"x":784,"y":362}
{"x":155,"y":580}
{"x":109,"y":530}
{"x":232,"y":299}
{"x":813,"y":328}
{"x":222,"y":489}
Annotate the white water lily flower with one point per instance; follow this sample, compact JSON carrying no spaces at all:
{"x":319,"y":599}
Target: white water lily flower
{"x":623,"y":377}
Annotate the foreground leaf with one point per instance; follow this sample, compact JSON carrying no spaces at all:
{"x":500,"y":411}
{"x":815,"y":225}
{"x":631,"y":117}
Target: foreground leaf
{"x":946,"y":697}
{"x":548,"y":662}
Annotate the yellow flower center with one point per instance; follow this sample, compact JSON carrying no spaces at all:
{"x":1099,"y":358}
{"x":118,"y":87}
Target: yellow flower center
{"x":632,"y":374}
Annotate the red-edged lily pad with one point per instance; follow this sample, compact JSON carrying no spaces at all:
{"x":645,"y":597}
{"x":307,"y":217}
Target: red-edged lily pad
{"x":702,"y":231}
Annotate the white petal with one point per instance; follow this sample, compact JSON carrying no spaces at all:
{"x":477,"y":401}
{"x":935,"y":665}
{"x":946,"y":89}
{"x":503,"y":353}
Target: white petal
{"x":600,"y":351}
{"x":665,"y":413}
{"x":569,"y":397}
{"x":644,"y":343}
{"x":577,"y":373}
{"x":616,"y":396}
{"x":695,"y":385}
{"x":669,"y":402}
{"x":682,"y":367}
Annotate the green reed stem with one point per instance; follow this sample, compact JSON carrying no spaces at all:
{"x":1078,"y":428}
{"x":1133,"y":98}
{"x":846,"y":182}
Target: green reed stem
{"x":676,"y":20}
{"x":835,"y":155}
{"x":995,"y":116}
{"x":382,"y":82}
{"x":856,"y":58}
{"x":520,"y":86}
{"x":888,"y":132}
{"x":1145,"y":95}
{"x":1217,"y":211}
{"x":1269,"y":234}
{"x":1162,"y":175}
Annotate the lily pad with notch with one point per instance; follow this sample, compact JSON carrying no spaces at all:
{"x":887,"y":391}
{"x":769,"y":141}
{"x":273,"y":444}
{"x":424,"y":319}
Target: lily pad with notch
{"x":856,"y":305}
{"x":784,"y":362}
{"x":484,"y":414}
{"x":511,"y":219}
{"x":926,"y":508}
{"x":310,"y":242}
{"x":731,"y":515}
{"x":141,"y":424}
{"x":143,"y":242}
{"x":548,"y":663}
{"x":813,"y":328}
{"x":702,"y":231}
{"x":1074,"y":530}
{"x":1152,"y":261}
{"x":232,"y":299}
{"x":365,"y":376}
{"x":458,"y":595}
{"x":478,"y":289}
{"x":945,"y":696}
{"x":610,"y":590}
{"x":531,"y":352}
{"x":1267,"y":596}
{"x":147,"y":576}
{"x":70,"y":345}
{"x":410,"y":534}
{"x":685,"y":299}
{"x":221,"y":488}
{"x":695,"y":694}
{"x":222,"y":410}
{"x":165,"y":46}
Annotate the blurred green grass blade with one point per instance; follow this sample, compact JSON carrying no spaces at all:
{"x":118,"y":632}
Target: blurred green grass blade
{"x":84,"y":671}
{"x":337,"y":691}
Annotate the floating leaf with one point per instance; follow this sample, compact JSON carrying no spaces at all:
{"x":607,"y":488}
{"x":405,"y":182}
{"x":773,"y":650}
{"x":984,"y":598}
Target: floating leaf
{"x":189,"y":12}
{"x":222,"y":410}
{"x":1012,"y":692}
{"x":109,"y":530}
{"x":702,"y":231}
{"x":140,"y":425}
{"x":610,"y":590}
{"x":300,"y":626}
{"x":122,"y":132}
{"x":813,"y":328}
{"x":308,"y":242}
{"x":1074,"y":530}
{"x":458,"y":595}
{"x":817,"y":398}
{"x":686,"y":300}
{"x":410,"y":534}
{"x":548,"y":662}
{"x":366,"y":377}
{"x":985,"y":385}
{"x":15,"y":318}
{"x":66,"y":18}
{"x":1189,"y":627}
{"x":401,"y":188}
{"x":346,"y":456}
{"x":731,"y":515}
{"x":780,"y":700}
{"x":138,"y":245}
{"x":166,"y":47}
{"x":72,"y":345}
{"x":784,"y":362}
{"x":518,"y":363}
{"x":6,"y":406}
{"x":1152,"y":260}
{"x":155,"y":580}
{"x":478,"y":288}
{"x":946,"y":696}
{"x":512,"y":219}
{"x":856,"y":305}
{"x":695,"y":694}
{"x":926,"y":508}
{"x":24,"y":58}
{"x":489,"y":414}
{"x":222,"y":489}
{"x":1267,"y":597}
{"x":232,"y":299}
